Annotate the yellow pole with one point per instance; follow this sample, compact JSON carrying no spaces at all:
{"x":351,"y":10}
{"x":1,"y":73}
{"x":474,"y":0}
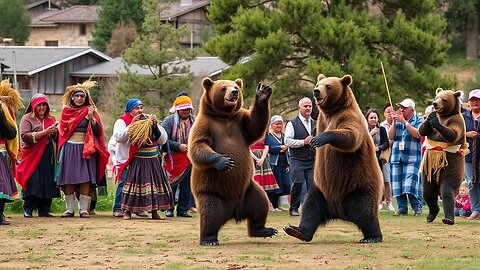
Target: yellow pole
{"x":386,"y":84}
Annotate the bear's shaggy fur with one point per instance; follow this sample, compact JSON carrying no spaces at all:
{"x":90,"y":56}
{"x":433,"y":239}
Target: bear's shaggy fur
{"x":222,"y":172}
{"x":348,"y":179}
{"x":443,"y":128}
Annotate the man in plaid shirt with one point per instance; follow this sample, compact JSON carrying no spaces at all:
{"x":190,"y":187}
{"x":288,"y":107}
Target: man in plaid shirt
{"x":406,"y":158}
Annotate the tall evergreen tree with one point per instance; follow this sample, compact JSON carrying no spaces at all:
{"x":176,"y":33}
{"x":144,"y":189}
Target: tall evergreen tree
{"x":155,"y":49}
{"x":291,"y":41}
{"x":463,"y":19}
{"x":111,"y":13}
{"x":14,"y":21}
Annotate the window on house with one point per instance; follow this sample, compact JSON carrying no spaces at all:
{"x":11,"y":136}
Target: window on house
{"x":51,"y":43}
{"x":83,"y":29}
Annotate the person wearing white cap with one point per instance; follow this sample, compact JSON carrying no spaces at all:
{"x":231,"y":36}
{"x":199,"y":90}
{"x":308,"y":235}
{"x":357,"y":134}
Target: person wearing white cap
{"x":472,"y":167}
{"x":278,"y":154}
{"x":406,"y":157}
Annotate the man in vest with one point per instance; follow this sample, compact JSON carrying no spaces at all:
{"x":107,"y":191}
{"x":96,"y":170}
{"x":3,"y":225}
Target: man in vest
{"x":298,"y":134}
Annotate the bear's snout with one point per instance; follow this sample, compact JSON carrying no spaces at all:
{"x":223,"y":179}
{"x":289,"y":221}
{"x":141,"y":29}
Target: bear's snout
{"x":435,"y":104}
{"x":316,"y":93}
{"x":234,"y":93}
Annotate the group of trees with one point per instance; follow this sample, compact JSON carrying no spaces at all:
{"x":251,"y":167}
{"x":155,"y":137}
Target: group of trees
{"x":288,"y":42}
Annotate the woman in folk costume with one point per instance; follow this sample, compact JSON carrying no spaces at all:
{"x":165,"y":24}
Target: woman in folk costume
{"x":263,"y":174}
{"x":177,"y":163}
{"x":81,"y":147}
{"x":146,"y":184}
{"x":10,"y":100}
{"x":36,"y":171}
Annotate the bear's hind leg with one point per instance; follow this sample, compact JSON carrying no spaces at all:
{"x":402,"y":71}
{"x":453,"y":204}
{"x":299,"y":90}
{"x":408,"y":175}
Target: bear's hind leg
{"x":447,"y":190}
{"x":430,"y":195}
{"x":362,"y":210}
{"x":255,"y":209}
{"x":214,"y":212}
{"x":314,"y":214}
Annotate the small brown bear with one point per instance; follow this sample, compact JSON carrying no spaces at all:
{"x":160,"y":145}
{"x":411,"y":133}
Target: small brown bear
{"x":347,"y":178}
{"x":443,"y":164}
{"x":222,"y":171}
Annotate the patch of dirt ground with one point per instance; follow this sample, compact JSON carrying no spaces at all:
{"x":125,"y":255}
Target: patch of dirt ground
{"x":104,"y":242}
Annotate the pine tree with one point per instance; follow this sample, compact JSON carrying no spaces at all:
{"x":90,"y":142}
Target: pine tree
{"x":155,"y":49}
{"x":111,"y":13}
{"x":14,"y":21}
{"x":291,"y":41}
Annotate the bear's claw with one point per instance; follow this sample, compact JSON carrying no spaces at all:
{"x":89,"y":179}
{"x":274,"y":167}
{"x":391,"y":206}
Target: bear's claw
{"x":377,"y":239}
{"x":209,"y":243}
{"x":265,"y":232}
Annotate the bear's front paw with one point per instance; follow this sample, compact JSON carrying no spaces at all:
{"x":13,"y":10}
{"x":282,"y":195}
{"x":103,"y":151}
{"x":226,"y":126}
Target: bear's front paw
{"x":224,"y":163}
{"x":318,"y":141}
{"x":368,"y":240}
{"x":263,"y":92}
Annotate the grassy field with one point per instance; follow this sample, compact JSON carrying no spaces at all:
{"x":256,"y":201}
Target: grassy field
{"x":104,"y":242}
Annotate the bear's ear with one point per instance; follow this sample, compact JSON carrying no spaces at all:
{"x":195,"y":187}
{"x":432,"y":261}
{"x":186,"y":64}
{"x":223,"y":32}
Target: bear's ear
{"x":207,"y":83}
{"x":320,"y":77}
{"x":438,"y":90}
{"x":239,"y":82}
{"x":458,"y":94}
{"x":346,"y":80}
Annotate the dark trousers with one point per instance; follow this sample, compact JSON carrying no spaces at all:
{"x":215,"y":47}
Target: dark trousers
{"x":185,"y":192}
{"x":31,"y":203}
{"x":300,"y":172}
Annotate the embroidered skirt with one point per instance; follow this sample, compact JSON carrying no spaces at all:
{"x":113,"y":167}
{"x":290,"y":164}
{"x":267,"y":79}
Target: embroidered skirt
{"x":8,"y":187}
{"x":146,"y":185}
{"x":263,"y":175}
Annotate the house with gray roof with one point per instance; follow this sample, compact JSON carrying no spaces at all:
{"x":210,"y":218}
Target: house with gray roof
{"x":47,"y":70}
{"x":52,"y":26}
{"x":193,"y":14}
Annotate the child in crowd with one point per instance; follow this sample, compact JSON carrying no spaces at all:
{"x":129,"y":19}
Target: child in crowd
{"x":462,"y":203}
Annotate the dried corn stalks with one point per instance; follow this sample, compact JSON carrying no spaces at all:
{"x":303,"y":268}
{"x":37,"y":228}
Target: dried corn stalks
{"x":140,"y":131}
{"x":10,"y":96}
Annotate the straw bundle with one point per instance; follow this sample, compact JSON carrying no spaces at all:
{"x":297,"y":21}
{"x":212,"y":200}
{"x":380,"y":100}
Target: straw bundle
{"x":10,"y":96}
{"x":140,"y":131}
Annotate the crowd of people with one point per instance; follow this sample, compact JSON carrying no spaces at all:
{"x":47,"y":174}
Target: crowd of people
{"x":152,"y":169}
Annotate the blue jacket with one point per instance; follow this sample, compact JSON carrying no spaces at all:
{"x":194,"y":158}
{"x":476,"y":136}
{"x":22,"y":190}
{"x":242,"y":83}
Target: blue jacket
{"x":274,"y":148}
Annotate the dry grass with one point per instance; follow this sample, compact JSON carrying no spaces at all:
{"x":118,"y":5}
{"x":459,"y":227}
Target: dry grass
{"x":103,"y":242}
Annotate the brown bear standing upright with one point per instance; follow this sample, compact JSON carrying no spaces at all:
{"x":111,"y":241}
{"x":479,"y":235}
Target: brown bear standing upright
{"x":222,"y":172}
{"x":347,"y":177}
{"x":443,"y":164}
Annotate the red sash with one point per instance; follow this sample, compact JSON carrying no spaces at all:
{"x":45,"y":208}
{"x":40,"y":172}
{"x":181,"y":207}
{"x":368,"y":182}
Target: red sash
{"x":180,"y":164}
{"x":69,"y":120}
{"x":31,"y":156}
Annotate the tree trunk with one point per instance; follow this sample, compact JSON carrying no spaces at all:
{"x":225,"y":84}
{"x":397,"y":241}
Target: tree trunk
{"x":472,"y":36}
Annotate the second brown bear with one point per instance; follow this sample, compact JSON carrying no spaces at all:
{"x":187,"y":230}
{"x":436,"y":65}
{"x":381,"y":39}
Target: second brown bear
{"x":347,"y":178}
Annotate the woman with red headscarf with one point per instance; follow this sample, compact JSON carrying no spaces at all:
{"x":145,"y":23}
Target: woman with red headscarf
{"x":36,"y":171}
{"x":81,"y":147}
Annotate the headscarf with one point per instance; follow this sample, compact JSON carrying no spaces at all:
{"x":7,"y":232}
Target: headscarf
{"x":132,"y":104}
{"x":37,"y":99}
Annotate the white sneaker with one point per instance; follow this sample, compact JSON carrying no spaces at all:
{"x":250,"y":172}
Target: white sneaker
{"x":390,"y":207}
{"x":380,"y":206}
